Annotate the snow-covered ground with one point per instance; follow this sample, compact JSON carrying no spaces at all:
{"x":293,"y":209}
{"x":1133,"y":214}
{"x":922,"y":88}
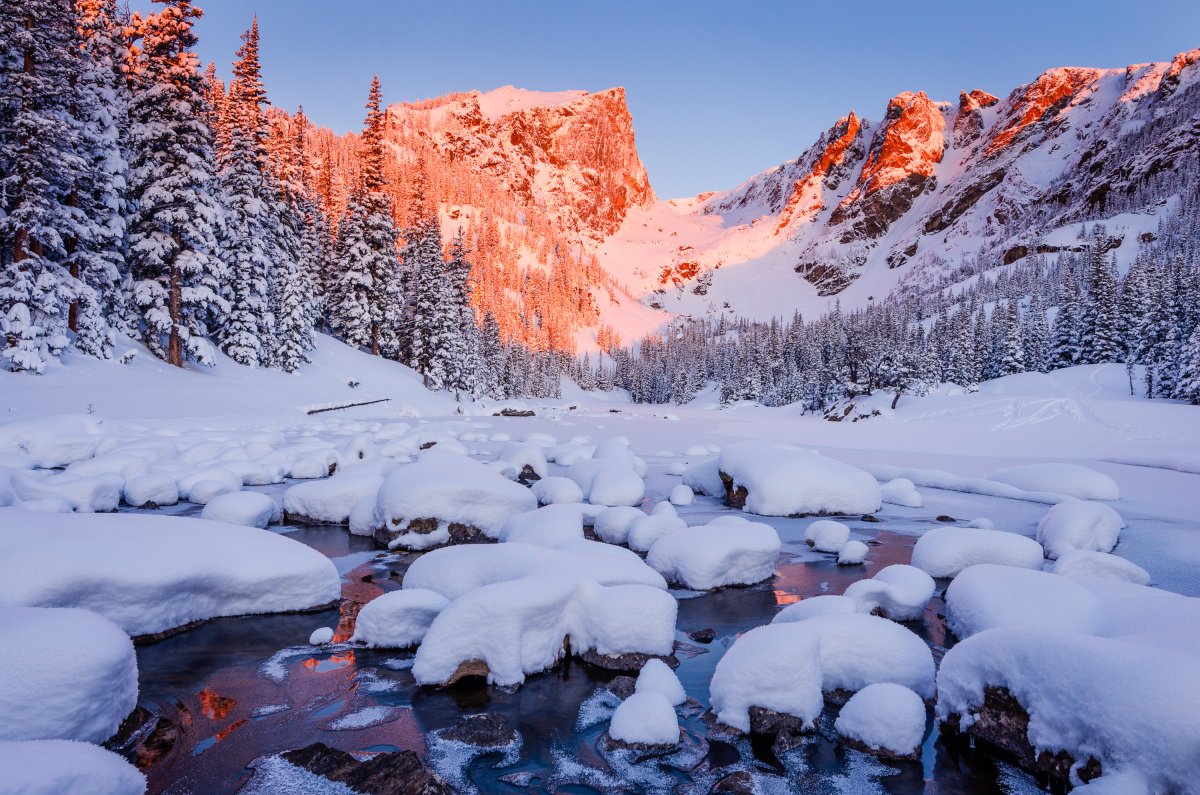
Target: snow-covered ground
{"x":1014,"y":474}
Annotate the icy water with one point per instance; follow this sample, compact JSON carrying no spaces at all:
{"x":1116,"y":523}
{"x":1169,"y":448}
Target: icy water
{"x":238,"y":689}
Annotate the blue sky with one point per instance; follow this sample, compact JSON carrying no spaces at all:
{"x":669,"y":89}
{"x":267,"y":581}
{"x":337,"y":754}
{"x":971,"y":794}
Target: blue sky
{"x":718,"y":90}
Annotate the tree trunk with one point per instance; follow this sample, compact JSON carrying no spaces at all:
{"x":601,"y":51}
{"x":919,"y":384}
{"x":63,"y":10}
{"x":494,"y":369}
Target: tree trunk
{"x":896,"y":400}
{"x":175,"y":345}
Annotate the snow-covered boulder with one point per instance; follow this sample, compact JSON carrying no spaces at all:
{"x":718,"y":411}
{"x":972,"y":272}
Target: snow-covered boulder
{"x":557,"y":490}
{"x":815,"y":606}
{"x":858,"y":650}
{"x":1130,"y":705}
{"x":329,"y":501}
{"x":704,"y":478}
{"x":320,"y":636}
{"x":885,"y":719}
{"x":529,"y":460}
{"x":607,"y":482}
{"x":645,"y":719}
{"x":1071,"y":480}
{"x":83,"y":494}
{"x":66,"y":767}
{"x":444,"y":498}
{"x":945,"y":551}
{"x":618,"y":450}
{"x":149,"y":573}
{"x":661,"y":522}
{"x":53,"y":440}
{"x":899,"y":592}
{"x":826,"y":535}
{"x":398,"y":619}
{"x":151,"y":489}
{"x":612,"y":524}
{"x":772,"y":668}
{"x":901,"y":491}
{"x":716,"y":555}
{"x":779,"y":480}
{"x":987,"y":596}
{"x":70,"y":675}
{"x":657,"y":675}
{"x":852,"y":553}
{"x":249,"y":508}
{"x":1079,"y":524}
{"x":682,"y":495}
{"x":1101,"y":565}
{"x":555,"y":526}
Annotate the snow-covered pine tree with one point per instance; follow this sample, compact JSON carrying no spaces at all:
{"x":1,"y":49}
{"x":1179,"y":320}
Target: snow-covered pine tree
{"x":39,"y":163}
{"x":250,"y":245}
{"x":1035,"y":336}
{"x":1188,"y":386}
{"x":1064,"y":343}
{"x":1101,"y":333}
{"x":465,"y":357}
{"x":1012,"y":349}
{"x":173,"y":230}
{"x":350,"y":316}
{"x":491,"y":351}
{"x":435,"y":317}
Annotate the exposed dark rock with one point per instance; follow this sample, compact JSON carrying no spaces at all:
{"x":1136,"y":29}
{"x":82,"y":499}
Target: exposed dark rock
{"x":527,"y":475}
{"x":427,"y":445}
{"x":706,"y":635}
{"x":514,"y":413}
{"x":769,"y":722}
{"x":1002,"y":725}
{"x":882,"y":753}
{"x":468,"y":668}
{"x":734,"y":498}
{"x":396,"y":773}
{"x":485,"y":729}
{"x":740,"y":782}
{"x":522,"y":778}
{"x":622,"y":686}
{"x":611,"y":743}
{"x":945,"y":518}
{"x":459,"y":533}
{"x":630,"y":661}
{"x":866,"y":517}
{"x":146,"y":738}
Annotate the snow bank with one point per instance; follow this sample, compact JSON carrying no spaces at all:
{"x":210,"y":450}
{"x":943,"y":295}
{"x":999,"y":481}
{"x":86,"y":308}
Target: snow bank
{"x":151,"y":488}
{"x":557,"y":490}
{"x":1071,"y":480}
{"x":771,"y":667}
{"x":901,"y":491}
{"x":858,"y":650}
{"x":852,"y":553}
{"x":153,"y":573}
{"x":331,"y":500}
{"x":656,"y":675}
{"x":1083,"y":563}
{"x":1129,"y":704}
{"x":987,"y":596}
{"x":682,"y":495}
{"x":555,"y":526}
{"x":815,"y":606}
{"x":450,"y":490}
{"x":1079,"y":524}
{"x":704,"y":478}
{"x":826,"y":535}
{"x":398,"y":619}
{"x":607,"y":482}
{"x":70,"y":675}
{"x":249,"y":508}
{"x":785,"y":481}
{"x":645,"y":718}
{"x":64,"y":767}
{"x":900,"y":592}
{"x":612,"y":524}
{"x":646,"y":531}
{"x":522,"y":456}
{"x":81,"y":494}
{"x":54,"y":440}
{"x":716,"y":555}
{"x":945,"y":551}
{"x":885,"y":717}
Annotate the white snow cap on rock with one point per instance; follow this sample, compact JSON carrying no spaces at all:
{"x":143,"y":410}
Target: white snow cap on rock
{"x":682,"y":495}
{"x":151,"y":573}
{"x":781,"y":480}
{"x":645,"y":718}
{"x":557,"y":490}
{"x":900,"y":592}
{"x":852,"y":553}
{"x":66,"y":767}
{"x":771,"y":667}
{"x":987,"y":596}
{"x":704,"y":478}
{"x":1071,"y":480}
{"x":521,"y":455}
{"x":901,"y":491}
{"x":657,"y":675}
{"x":398,"y":619}
{"x":69,"y":675}
{"x":555,"y":526}
{"x":945,"y":551}
{"x":661,"y":522}
{"x":884,"y":716}
{"x":716,"y":554}
{"x":1079,"y":524}
{"x":151,"y":487}
{"x":320,"y":635}
{"x":612,"y":524}
{"x":815,"y":606}
{"x":607,"y":481}
{"x":1101,"y":565}
{"x":331,"y":500}
{"x":826,"y":535}
{"x":249,"y":508}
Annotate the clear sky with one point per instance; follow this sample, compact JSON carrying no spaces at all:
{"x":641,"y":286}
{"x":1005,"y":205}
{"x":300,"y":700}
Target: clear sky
{"x":718,"y":90}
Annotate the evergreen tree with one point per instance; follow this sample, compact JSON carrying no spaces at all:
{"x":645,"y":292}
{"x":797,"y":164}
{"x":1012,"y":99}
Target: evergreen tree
{"x":1101,"y":336}
{"x":1065,"y":345}
{"x":351,"y":315}
{"x":173,"y":231}
{"x":1188,"y":386}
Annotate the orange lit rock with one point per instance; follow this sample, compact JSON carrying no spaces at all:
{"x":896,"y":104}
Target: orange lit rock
{"x":968,"y":122}
{"x":807,"y":199}
{"x":1044,"y":97}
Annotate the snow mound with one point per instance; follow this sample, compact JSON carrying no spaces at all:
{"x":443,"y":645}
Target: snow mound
{"x":449,"y":490}
{"x":682,"y":495}
{"x":1143,"y":723}
{"x":647,"y":530}
{"x":656,"y":675}
{"x":66,"y":767}
{"x":320,"y":635}
{"x":771,"y":667}
{"x":858,"y":650}
{"x":885,"y":717}
{"x":785,"y":481}
{"x":398,"y":619}
{"x":1101,"y":565}
{"x":1079,"y":524}
{"x":826,"y":535}
{"x":72,"y":675}
{"x":645,"y":718}
{"x":151,"y":488}
{"x":901,"y":491}
{"x":618,"y":450}
{"x":815,"y":606}
{"x":612,"y":524}
{"x":522,"y":456}
{"x":900,"y":592}
{"x":853,"y":553}
{"x":557,"y":490}
{"x":716,"y":555}
{"x":945,"y":551}
{"x":81,"y":494}
{"x":249,"y":508}
{"x":331,"y":500}
{"x":607,"y":482}
{"x":987,"y":596}
{"x":151,"y":573}
{"x":53,"y":440}
{"x":1071,"y":480}
{"x":555,"y":526}
{"x":704,"y":478}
